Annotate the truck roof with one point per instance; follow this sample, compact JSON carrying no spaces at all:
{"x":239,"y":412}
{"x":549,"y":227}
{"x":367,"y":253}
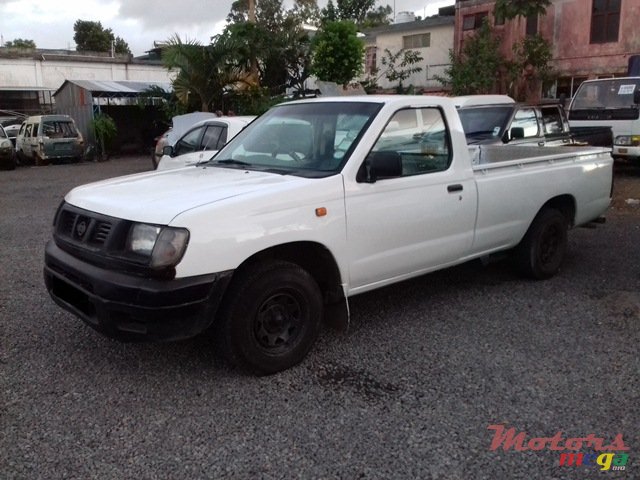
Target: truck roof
{"x":476,"y":100}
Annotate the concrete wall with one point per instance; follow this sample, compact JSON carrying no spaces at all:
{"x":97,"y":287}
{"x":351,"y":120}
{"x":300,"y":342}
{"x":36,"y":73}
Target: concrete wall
{"x":52,"y":72}
{"x":435,"y":57}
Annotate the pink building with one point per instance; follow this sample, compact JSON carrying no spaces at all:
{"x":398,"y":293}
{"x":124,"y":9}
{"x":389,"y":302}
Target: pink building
{"x":589,"y":38}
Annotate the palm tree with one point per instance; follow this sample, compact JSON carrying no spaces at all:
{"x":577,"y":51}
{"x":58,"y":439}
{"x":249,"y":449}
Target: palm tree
{"x":201,"y":70}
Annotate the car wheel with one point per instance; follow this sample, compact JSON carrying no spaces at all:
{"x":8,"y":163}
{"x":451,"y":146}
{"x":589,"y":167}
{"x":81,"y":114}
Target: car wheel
{"x":270,"y":317}
{"x":541,"y":252}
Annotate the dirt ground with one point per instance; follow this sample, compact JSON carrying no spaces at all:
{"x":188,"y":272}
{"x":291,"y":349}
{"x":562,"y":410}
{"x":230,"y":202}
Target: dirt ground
{"x":626,"y":188}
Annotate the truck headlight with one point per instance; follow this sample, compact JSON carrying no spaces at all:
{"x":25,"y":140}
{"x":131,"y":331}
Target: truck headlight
{"x":162,"y":246}
{"x":628,"y":140}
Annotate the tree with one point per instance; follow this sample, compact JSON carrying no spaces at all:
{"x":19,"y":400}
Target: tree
{"x":20,"y":43}
{"x":531,"y":68}
{"x":361,"y":12}
{"x":275,"y":46}
{"x":202,"y":71}
{"x":91,"y":36}
{"x":400,"y":65}
{"x":510,"y":9}
{"x":475,"y":69}
{"x":337,"y":52}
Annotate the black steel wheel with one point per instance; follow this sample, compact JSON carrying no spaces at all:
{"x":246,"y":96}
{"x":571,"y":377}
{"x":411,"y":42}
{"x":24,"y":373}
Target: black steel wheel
{"x":542,"y":250}
{"x":270,"y":317}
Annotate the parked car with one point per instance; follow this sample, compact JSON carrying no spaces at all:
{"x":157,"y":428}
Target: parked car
{"x":179,"y":125}
{"x":46,"y":138}
{"x":7,"y":152}
{"x":202,"y":141}
{"x":12,"y":126}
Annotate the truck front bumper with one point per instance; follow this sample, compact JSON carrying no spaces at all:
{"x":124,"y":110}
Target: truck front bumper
{"x":132,"y":308}
{"x":624,"y":151}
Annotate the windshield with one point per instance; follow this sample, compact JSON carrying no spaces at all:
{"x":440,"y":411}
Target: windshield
{"x":610,"y":93}
{"x":305,"y":139}
{"x":485,"y":121}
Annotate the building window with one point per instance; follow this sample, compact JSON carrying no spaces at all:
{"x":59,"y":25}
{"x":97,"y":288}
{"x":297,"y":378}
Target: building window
{"x":421,"y":40}
{"x":532,"y":26}
{"x":605,"y":21}
{"x":370,"y":60}
{"x":498,"y":19}
{"x":473,"y":22}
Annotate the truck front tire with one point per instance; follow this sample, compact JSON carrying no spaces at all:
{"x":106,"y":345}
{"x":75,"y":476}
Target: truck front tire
{"x":541,"y":252}
{"x":270,"y":317}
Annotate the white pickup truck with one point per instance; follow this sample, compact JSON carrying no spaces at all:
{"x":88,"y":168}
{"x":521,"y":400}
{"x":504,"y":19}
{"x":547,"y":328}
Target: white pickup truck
{"x":314,"y":202}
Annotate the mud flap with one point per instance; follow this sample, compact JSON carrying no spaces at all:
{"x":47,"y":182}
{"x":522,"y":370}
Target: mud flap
{"x":336,"y":314}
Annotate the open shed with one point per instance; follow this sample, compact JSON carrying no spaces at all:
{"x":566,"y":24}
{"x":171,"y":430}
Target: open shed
{"x":135,"y":111}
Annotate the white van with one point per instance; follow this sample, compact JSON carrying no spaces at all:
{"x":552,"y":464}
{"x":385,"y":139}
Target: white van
{"x":613,"y":102}
{"x":46,"y":138}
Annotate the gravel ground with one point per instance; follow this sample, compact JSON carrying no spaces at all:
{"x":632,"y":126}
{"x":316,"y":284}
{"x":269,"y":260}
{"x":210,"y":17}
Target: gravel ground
{"x":407,"y":393}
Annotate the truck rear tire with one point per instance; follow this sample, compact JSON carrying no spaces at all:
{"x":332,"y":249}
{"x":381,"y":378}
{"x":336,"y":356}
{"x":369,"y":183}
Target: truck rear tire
{"x":541,"y":252}
{"x":270,"y":317}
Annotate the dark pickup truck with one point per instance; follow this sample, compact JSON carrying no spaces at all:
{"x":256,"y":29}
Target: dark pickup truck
{"x":498,"y":119}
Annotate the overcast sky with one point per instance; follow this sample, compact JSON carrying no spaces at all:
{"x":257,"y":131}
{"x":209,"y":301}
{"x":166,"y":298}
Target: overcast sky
{"x":139,"y":22}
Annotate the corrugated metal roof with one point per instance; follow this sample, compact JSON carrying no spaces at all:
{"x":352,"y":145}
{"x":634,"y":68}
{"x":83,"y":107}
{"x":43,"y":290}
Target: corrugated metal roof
{"x":115,"y":88}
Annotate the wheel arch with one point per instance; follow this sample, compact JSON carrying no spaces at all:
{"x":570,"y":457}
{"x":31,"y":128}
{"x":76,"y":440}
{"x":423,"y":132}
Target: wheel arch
{"x":314,"y":257}
{"x":565,"y":204}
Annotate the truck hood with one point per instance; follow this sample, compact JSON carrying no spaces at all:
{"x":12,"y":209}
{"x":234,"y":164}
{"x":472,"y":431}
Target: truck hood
{"x":158,"y":197}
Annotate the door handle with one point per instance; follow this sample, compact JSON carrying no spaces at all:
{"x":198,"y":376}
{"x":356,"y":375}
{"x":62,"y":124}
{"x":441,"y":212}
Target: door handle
{"x":454,"y":188}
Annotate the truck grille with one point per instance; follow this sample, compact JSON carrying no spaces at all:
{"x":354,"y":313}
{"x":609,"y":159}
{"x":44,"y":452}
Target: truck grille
{"x":88,"y":230}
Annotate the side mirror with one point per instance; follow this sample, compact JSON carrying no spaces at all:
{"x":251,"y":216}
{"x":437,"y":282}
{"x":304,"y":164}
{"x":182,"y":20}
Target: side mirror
{"x":382,"y":164}
{"x":516,"y":133}
{"x":167,"y":150}
{"x":636,"y":96}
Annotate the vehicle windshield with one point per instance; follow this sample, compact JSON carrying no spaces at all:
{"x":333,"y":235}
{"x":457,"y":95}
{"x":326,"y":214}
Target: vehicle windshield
{"x":305,"y":139}
{"x":609,"y":93}
{"x":485,"y":121}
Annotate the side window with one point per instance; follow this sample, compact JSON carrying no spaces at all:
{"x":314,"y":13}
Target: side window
{"x":552,"y":121}
{"x":525,"y":118}
{"x":211,"y":138}
{"x":190,"y":142}
{"x":223,"y":138}
{"x":422,"y":145}
{"x":27,"y":130}
{"x":34,"y":132}
{"x":22,"y":127}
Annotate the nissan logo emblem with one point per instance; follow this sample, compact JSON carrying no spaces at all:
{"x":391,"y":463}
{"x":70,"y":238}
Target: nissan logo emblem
{"x":81,"y":228}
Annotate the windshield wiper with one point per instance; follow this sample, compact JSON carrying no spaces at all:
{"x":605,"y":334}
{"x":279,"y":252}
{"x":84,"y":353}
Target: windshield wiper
{"x":228,"y":161}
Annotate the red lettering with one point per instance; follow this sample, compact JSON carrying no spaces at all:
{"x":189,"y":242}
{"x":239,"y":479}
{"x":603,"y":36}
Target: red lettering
{"x":574,"y":444}
{"x":595,"y":442}
{"x":508,"y":439}
{"x":618,"y":444}
{"x":555,"y":440}
{"x":571,"y":459}
{"x":537,"y":443}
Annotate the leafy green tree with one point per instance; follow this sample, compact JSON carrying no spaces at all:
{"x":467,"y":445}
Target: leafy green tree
{"x":510,"y":9}
{"x":275,"y":46}
{"x":399,"y":66}
{"x":378,"y":17}
{"x":530,"y":68}
{"x":105,"y":130}
{"x":475,"y":69}
{"x":337,"y":52}
{"x":20,"y":43}
{"x":91,"y":36}
{"x":362,"y":12}
{"x":202,"y":71}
